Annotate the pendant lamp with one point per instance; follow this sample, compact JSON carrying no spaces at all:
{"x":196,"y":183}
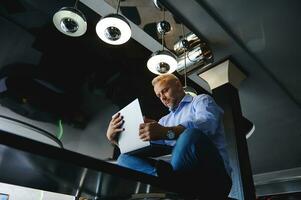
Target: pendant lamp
{"x":158,"y":4}
{"x":187,"y":89}
{"x":162,"y":61}
{"x":70,"y":21}
{"x":114,"y":28}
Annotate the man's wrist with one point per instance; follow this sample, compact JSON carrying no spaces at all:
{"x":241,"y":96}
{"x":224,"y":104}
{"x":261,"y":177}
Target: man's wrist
{"x":170,"y":135}
{"x":173,"y":132}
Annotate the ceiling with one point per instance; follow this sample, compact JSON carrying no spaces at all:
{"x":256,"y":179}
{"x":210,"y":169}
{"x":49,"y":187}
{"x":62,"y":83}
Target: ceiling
{"x":55,"y":57}
{"x":263,"y":37}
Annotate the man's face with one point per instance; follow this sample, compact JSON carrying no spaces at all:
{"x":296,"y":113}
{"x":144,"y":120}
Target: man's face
{"x":169,"y":92}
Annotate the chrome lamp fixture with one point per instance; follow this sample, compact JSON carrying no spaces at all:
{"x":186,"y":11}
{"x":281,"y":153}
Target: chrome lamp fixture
{"x":70,"y":21}
{"x":158,"y":4}
{"x":185,"y":45}
{"x":162,"y":61}
{"x":188,"y":89}
{"x":114,"y":28}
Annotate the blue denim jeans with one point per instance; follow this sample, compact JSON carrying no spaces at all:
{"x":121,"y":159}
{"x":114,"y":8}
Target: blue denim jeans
{"x":192,"y":150}
{"x":194,"y":157}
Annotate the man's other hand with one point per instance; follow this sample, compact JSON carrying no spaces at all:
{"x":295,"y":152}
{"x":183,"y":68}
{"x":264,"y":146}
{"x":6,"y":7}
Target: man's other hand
{"x":152,"y":131}
{"x":114,"y":128}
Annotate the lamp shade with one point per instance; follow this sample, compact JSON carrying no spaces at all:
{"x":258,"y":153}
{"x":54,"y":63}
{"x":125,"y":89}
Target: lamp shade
{"x":113,"y":29}
{"x":70,"y":21}
{"x":162,"y":62}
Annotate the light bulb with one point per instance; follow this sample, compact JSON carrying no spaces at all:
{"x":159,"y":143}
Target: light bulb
{"x":114,"y":29}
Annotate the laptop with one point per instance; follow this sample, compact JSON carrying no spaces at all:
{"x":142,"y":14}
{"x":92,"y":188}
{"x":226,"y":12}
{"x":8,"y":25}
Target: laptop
{"x":129,"y":141}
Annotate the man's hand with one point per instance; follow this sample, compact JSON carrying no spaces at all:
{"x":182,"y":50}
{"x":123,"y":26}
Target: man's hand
{"x":115,"y":127}
{"x":152,"y":131}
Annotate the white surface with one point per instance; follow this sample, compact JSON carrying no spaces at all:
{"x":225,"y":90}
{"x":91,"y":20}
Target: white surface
{"x":24,"y":193}
{"x":129,"y":138}
{"x":225,"y":72}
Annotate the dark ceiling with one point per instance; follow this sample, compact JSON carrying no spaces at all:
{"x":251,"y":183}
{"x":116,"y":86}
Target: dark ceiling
{"x":262,"y":36}
{"x":70,"y":64}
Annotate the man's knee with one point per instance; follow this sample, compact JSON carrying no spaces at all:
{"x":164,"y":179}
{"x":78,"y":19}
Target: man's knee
{"x":144,"y":165}
{"x":123,"y":160}
{"x":192,"y":136}
{"x":192,"y":149}
{"x":120,"y":159}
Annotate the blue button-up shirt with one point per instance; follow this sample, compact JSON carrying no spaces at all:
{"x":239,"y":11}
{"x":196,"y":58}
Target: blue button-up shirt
{"x":200,"y":112}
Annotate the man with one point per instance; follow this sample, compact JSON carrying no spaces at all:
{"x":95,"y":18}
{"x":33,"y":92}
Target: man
{"x":194,"y":129}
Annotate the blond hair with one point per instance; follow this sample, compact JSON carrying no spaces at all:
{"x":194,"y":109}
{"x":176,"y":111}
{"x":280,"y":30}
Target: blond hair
{"x":164,"y":78}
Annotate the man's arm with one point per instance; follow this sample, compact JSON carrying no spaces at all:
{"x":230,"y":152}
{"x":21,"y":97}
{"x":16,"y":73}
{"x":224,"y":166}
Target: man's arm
{"x":155,"y":131}
{"x":207,"y":115}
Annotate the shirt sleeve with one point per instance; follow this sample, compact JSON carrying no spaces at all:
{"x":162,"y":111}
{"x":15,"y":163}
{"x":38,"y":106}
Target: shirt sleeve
{"x":206,"y":115}
{"x":160,"y":121}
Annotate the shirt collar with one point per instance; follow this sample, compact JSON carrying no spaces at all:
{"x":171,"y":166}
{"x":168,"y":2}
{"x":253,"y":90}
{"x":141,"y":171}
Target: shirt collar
{"x":186,"y":99}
